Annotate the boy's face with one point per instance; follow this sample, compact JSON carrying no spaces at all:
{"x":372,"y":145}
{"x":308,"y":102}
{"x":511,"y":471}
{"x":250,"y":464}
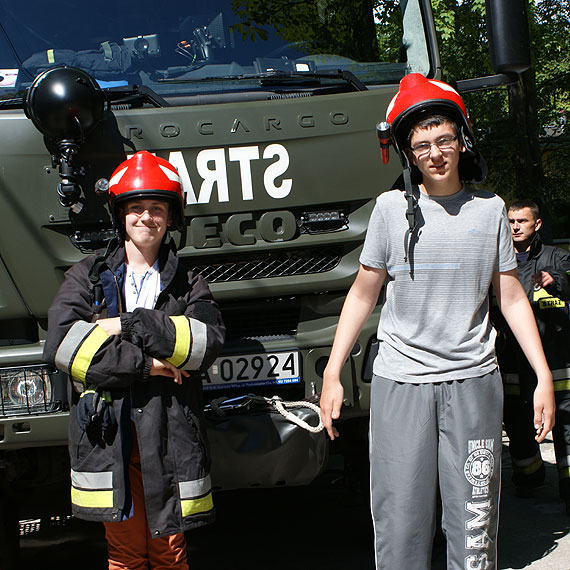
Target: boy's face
{"x":146,"y":220}
{"x":440,"y":161}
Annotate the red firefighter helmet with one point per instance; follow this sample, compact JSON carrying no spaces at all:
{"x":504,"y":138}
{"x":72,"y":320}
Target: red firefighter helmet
{"x":144,"y":175}
{"x":420,"y":97}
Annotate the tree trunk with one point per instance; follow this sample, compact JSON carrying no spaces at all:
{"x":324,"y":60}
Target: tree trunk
{"x":527,"y":155}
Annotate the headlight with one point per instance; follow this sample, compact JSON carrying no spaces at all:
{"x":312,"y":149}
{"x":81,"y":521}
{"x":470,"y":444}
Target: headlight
{"x":25,"y":391}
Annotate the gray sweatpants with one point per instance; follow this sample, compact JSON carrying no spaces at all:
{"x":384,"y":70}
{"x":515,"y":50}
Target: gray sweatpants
{"x":424,"y":433}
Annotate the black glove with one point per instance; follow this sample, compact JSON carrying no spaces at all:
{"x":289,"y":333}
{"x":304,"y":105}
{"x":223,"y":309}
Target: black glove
{"x":95,"y":409}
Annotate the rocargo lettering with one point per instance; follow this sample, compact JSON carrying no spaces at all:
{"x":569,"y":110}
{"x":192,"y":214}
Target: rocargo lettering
{"x":238,"y":125}
{"x":242,"y":229}
{"x":212,"y":170}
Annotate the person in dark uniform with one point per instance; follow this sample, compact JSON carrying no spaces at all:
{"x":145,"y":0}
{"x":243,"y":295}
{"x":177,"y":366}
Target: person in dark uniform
{"x":543,"y":271}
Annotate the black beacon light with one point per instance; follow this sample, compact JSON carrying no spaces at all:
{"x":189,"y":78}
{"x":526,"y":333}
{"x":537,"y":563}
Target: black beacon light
{"x":65,"y":104}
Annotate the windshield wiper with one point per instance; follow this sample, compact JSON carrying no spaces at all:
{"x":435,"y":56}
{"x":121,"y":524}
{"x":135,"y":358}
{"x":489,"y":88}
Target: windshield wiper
{"x":15,"y":103}
{"x":123,"y":94}
{"x":278,"y":75}
{"x":129,"y":93}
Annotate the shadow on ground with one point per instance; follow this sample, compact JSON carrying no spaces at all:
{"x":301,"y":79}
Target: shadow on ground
{"x":323,"y":526}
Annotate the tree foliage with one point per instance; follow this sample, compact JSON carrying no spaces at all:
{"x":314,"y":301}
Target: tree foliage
{"x":325,"y":26}
{"x":506,"y":136}
{"x":519,"y":129}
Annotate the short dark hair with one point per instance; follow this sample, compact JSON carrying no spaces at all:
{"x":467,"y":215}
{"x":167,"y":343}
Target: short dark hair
{"x":520,"y":204}
{"x":429,"y":122}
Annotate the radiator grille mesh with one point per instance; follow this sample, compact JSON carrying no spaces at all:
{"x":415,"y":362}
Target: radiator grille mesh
{"x":268,"y":264}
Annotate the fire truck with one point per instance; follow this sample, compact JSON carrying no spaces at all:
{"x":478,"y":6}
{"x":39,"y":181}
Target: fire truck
{"x":268,"y":109}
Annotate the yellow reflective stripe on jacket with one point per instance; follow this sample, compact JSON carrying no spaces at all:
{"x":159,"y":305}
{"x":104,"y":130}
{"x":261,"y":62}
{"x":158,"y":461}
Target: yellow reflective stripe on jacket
{"x":194,"y":506}
{"x":86,"y":352}
{"x":92,"y":499}
{"x":92,"y":489}
{"x":561,"y":385}
{"x":183,"y":341}
{"x":50,"y":56}
{"x":81,"y":339}
{"x":546,"y":300}
{"x":561,"y":377}
{"x":196,"y":496}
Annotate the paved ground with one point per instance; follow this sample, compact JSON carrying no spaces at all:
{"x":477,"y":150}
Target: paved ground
{"x":534,"y":533}
{"x":324,"y":526}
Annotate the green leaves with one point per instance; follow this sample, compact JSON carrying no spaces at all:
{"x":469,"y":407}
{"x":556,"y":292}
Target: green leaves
{"x":503,"y":134}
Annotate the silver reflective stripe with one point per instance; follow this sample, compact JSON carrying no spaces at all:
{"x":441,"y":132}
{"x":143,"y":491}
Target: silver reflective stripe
{"x":199,"y":342}
{"x":71,"y":343}
{"x":561,"y":374}
{"x":91,"y":480}
{"x":197,"y":488}
{"x":510,"y":378}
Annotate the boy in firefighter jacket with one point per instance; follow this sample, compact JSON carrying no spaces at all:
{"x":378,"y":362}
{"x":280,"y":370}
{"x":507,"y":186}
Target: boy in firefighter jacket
{"x":436,"y":244}
{"x":544,"y":272}
{"x":133,"y":329}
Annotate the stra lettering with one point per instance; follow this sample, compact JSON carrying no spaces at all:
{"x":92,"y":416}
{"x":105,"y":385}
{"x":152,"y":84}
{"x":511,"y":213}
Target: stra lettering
{"x":212,"y":184}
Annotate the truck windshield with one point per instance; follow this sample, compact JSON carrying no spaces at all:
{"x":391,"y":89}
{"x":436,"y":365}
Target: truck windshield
{"x":189,"y":47}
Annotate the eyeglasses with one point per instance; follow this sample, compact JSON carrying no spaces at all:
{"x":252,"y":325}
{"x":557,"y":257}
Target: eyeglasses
{"x":421,"y":150}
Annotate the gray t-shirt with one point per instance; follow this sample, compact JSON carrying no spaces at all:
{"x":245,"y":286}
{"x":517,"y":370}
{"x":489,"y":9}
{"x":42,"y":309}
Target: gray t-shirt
{"x":436,"y":327}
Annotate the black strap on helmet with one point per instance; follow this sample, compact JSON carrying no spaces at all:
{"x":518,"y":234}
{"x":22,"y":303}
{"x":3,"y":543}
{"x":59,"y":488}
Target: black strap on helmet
{"x":411,"y":216}
{"x":95,"y":286}
{"x":183,"y":231}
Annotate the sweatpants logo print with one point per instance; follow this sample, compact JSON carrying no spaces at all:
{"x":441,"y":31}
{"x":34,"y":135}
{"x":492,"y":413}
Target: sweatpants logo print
{"x":477,"y":562}
{"x":478,"y":470}
{"x":480,"y":510}
{"x":480,"y":463}
{"x":478,"y":541}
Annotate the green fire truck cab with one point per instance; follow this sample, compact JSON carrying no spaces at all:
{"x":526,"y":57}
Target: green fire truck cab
{"x":268,"y":109}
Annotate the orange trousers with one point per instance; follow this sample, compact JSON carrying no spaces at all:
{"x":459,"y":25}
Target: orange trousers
{"x":130,"y":544}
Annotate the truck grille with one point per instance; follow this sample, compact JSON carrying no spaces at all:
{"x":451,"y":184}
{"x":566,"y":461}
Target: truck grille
{"x":261,"y":319}
{"x":269,"y":264}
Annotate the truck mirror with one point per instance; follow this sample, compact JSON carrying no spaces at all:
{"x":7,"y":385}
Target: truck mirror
{"x":509,"y":43}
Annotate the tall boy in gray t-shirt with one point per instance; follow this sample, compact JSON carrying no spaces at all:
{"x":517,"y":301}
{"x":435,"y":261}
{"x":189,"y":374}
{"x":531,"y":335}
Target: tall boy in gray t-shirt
{"x":436,"y":395}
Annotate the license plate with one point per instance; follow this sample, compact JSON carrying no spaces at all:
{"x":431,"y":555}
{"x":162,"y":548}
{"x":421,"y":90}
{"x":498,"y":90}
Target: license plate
{"x":262,"y":369}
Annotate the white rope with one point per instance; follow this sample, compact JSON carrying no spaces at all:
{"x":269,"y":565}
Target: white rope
{"x":280,"y":406}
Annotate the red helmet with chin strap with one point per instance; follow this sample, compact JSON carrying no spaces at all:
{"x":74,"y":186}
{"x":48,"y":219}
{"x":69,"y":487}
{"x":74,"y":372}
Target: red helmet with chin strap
{"x":419,"y":97}
{"x":144,"y":175}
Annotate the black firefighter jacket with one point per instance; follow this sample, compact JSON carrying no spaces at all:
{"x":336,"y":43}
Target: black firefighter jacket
{"x":550,"y":307}
{"x":186,"y":329}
